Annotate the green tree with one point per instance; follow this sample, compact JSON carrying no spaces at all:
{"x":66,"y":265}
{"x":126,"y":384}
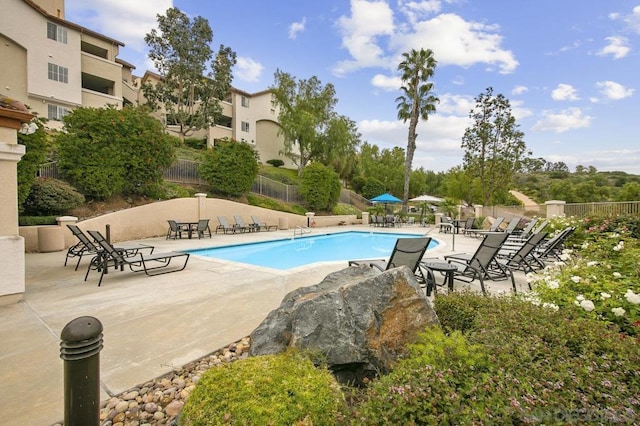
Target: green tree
{"x":460,"y":186}
{"x":417,"y":101}
{"x":180,"y":50}
{"x":630,"y":191}
{"x":337,"y":145}
{"x":320,"y":187}
{"x":494,"y":147}
{"x":230,"y":167}
{"x":34,"y":156}
{"x":107,"y":151}
{"x":385,"y":165}
{"x":305,"y":115}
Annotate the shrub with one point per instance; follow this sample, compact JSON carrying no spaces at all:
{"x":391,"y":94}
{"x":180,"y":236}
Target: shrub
{"x":372,"y":187}
{"x":51,"y":197}
{"x":344,"y":209}
{"x":516,"y":364}
{"x":37,"y":220}
{"x":230,"y":168}
{"x":109,"y":151}
{"x":196,"y":143}
{"x":320,"y":187}
{"x":35,"y":154}
{"x":276,"y":162}
{"x":282,"y":389}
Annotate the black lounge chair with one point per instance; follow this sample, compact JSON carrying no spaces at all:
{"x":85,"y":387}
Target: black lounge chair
{"x":262,"y":225}
{"x":240,"y":223}
{"x":480,"y":265}
{"x":226,"y":228}
{"x":522,"y":258}
{"x":552,"y":248}
{"x":407,"y":252}
{"x":468,"y":226}
{"x":495,"y":227}
{"x":151,"y":264}
{"x":446,"y":224}
{"x":86,"y":246}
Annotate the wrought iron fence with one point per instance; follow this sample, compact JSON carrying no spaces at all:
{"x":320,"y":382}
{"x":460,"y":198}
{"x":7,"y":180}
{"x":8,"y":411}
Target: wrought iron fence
{"x":49,"y":170}
{"x":278,"y":190}
{"x":183,"y":171}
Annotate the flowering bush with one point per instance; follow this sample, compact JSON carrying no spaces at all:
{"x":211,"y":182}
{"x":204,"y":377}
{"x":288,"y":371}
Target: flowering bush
{"x":599,"y":277}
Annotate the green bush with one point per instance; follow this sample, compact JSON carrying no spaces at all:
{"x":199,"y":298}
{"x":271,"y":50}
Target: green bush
{"x":51,"y":197}
{"x":320,"y":187}
{"x":109,"y":151}
{"x":34,"y":156}
{"x":344,"y":209}
{"x":196,"y":143}
{"x":276,"y":162}
{"x":372,"y":188}
{"x":271,"y":204}
{"x":282,"y":389}
{"x":518,"y":363}
{"x":230,"y":168}
{"x":37,"y":220}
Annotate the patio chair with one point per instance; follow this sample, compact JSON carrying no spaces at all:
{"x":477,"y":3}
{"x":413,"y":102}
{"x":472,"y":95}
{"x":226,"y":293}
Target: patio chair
{"x":446,"y":224}
{"x":512,"y":225}
{"x":225,"y":227}
{"x":479,"y":266}
{"x":263,"y":225}
{"x":86,"y":246}
{"x":174,"y":231}
{"x":203,"y":228}
{"x":495,"y":227}
{"x":241,"y":224}
{"x":151,"y":264}
{"x":552,"y":248}
{"x":468,"y":226}
{"x":407,"y":252}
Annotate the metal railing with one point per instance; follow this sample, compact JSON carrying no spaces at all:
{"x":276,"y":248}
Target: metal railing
{"x":278,"y":190}
{"x":603,"y":208}
{"x":183,"y":171}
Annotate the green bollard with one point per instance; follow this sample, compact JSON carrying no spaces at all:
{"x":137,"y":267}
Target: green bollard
{"x":80,"y":349}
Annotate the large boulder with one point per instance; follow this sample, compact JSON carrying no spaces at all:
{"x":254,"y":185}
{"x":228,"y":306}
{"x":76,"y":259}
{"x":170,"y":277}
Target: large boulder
{"x":356,"y":320}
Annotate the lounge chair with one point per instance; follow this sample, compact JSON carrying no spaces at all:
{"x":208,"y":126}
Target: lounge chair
{"x":552,"y":248}
{"x":150,"y":264}
{"x":522,"y":258}
{"x":407,"y":252}
{"x":263,"y":225}
{"x":468,"y":226}
{"x":525,"y":232}
{"x":225,"y":227}
{"x":240,"y":223}
{"x":513,"y":224}
{"x":86,"y":246}
{"x":203,"y":228}
{"x":479,"y":266}
{"x":495,"y":227}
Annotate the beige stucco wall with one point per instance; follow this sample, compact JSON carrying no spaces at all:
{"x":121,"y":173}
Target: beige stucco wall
{"x":13,"y":78}
{"x":151,"y":220}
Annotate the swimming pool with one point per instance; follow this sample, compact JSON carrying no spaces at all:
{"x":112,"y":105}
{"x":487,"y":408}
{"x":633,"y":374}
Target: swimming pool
{"x":293,"y":252}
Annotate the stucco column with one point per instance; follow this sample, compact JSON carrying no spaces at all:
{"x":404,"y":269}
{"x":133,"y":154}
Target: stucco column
{"x":555,"y":208}
{"x":202,"y":205}
{"x":477,"y":208}
{"x":11,"y":243}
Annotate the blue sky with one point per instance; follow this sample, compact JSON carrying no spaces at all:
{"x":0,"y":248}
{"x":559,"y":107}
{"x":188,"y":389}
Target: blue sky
{"x":569,"y":68}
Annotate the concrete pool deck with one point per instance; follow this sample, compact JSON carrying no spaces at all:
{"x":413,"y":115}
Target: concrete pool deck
{"x":151,"y":324}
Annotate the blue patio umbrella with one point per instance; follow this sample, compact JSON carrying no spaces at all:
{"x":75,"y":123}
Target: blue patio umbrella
{"x":385,"y":199}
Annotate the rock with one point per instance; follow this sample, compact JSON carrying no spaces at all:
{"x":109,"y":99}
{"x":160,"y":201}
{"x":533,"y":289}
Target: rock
{"x":173,"y":408}
{"x":359,"y":320}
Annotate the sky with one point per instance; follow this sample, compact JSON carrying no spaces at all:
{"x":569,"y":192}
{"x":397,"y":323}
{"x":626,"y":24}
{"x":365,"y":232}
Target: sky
{"x":570,"y":68}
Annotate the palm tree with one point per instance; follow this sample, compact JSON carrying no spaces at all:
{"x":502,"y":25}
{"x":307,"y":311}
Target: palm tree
{"x":416,"y":102}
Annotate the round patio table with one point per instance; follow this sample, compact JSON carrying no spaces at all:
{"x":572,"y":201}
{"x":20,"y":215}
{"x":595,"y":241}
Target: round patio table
{"x":439,"y":266}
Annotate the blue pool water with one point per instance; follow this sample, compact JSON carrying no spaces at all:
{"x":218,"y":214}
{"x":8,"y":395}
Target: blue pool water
{"x":291,"y":253}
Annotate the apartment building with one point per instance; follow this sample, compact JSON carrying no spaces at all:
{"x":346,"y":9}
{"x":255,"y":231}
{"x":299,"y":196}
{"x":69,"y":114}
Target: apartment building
{"x":53,"y":65}
{"x":246,"y":117}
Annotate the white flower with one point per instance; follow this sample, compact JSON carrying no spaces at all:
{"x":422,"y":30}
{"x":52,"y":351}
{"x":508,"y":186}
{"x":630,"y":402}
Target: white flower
{"x":604,"y":296}
{"x":585,"y":245}
{"x":551,"y":306}
{"x":587,"y":305}
{"x":579,"y":298}
{"x":592,"y":263}
{"x":617,"y":275}
{"x":619,"y":246}
{"x":576,"y":279}
{"x":565,"y":256}
{"x":619,"y":312}
{"x":632,"y":297}
{"x":553,"y":284}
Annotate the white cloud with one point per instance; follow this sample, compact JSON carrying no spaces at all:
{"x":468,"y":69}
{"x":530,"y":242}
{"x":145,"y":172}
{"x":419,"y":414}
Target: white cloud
{"x":614,"y":91}
{"x":455,"y":104}
{"x":125,"y":20}
{"x":571,"y":118}
{"x":386,"y":83}
{"x":519,"y":111}
{"x":246,"y":69}
{"x":453,"y":40}
{"x":564,"y":92}
{"x":617,"y":47}
{"x":359,"y":36}
{"x":633,"y":20}
{"x":297,"y":27}
{"x":519,"y":90}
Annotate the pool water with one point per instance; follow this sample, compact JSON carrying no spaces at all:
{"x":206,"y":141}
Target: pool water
{"x":290,"y":253}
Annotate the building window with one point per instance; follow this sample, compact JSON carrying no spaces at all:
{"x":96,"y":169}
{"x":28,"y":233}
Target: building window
{"x":56,"y":32}
{"x":55,"y":112}
{"x":58,"y":73}
{"x":245,"y":102}
{"x":244,"y":126}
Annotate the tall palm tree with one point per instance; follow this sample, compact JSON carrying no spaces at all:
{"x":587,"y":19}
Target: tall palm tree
{"x":416,"y":102}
